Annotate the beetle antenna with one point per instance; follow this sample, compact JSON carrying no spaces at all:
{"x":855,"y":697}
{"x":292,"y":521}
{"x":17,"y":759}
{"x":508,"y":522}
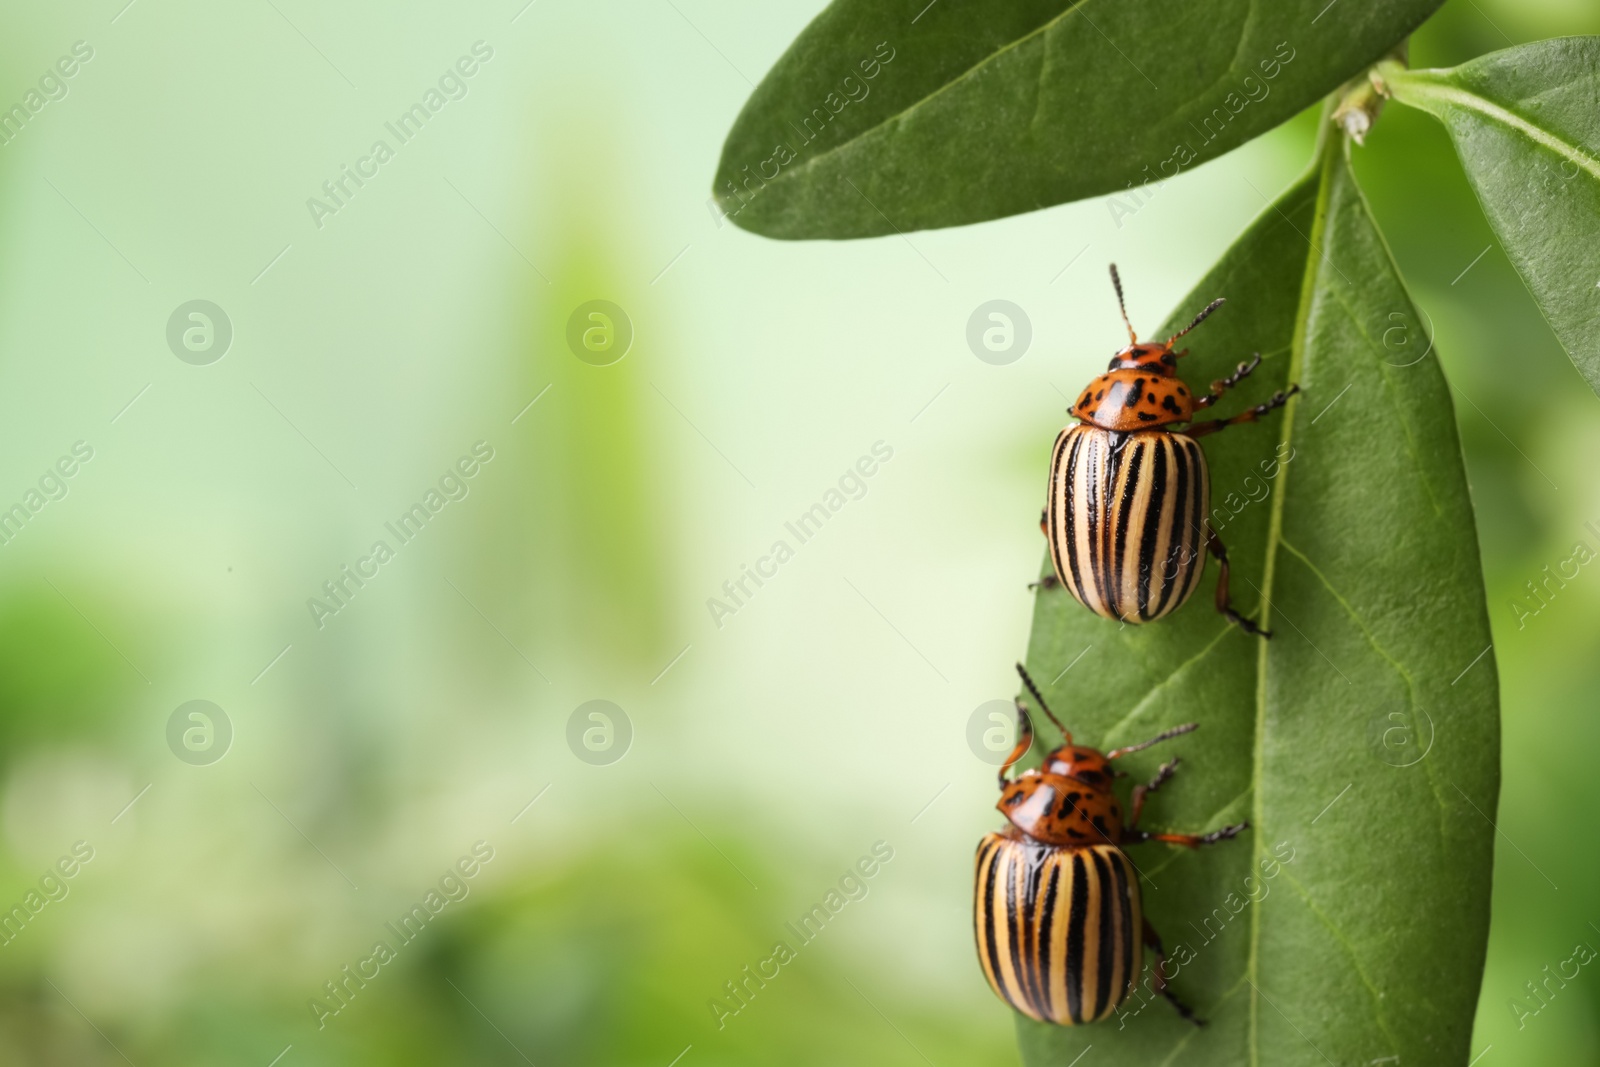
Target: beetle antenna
{"x":1116,"y":283}
{"x":1165,"y":735}
{"x":1024,"y":741}
{"x":1205,"y":313}
{"x":1066,"y":734}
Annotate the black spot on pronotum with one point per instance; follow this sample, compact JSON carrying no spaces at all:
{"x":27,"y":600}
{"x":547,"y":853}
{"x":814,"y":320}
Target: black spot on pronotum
{"x":1182,"y":391}
{"x":1134,"y":393}
{"x":1013,"y":800}
{"x":1145,"y":416}
{"x":1170,"y":404}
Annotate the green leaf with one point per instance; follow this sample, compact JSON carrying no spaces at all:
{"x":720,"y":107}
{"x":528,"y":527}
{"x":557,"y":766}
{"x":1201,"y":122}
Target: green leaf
{"x":1526,"y":122}
{"x":1349,"y":924}
{"x":906,"y":115}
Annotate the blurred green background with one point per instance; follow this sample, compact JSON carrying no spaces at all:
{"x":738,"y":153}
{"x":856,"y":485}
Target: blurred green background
{"x":765,"y":752}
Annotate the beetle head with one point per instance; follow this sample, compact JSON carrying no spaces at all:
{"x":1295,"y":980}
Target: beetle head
{"x":1151,"y":357}
{"x":1086,"y":766}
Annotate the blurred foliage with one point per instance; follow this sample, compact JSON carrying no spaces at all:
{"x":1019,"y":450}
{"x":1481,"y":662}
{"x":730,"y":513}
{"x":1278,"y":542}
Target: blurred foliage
{"x":59,"y":679}
{"x":208,"y":918}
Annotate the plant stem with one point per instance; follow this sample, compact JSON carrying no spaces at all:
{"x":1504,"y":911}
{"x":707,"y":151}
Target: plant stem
{"x":1362,"y":98}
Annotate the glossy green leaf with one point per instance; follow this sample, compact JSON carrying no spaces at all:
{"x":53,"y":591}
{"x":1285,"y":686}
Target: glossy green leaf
{"x":906,"y":115}
{"x":1526,"y":122}
{"x":1349,"y":924}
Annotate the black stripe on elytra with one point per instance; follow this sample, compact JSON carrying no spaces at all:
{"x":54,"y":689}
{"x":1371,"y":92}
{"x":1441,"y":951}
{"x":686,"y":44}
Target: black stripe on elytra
{"x":1178,"y":538}
{"x":1088,"y":507}
{"x":985,"y":850}
{"x":1045,"y":927}
{"x":1106,"y":516}
{"x":1126,"y":887}
{"x":990,"y":910}
{"x":977,"y":879}
{"x":1134,"y":458}
{"x":1076,"y":916}
{"x":1029,"y":972}
{"x":1108,"y":901}
{"x":980,"y":905}
{"x":1182,"y":553}
{"x":1152,"y":521}
{"x":1069,"y":528}
{"x":1195,"y":541}
{"x":1050,"y":508}
{"x":1019,"y":992}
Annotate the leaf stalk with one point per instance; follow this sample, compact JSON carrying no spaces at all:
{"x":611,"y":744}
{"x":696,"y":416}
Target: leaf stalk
{"x":1361,"y":99}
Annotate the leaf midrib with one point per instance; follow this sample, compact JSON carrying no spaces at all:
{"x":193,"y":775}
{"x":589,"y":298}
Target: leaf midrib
{"x":1328,"y":147}
{"x":1045,"y":27}
{"x":921,"y":100}
{"x":1430,"y":85}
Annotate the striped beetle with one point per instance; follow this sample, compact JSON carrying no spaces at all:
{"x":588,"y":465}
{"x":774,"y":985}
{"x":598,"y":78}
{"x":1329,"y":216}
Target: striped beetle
{"x":1056,"y":905}
{"x":1129,"y":496}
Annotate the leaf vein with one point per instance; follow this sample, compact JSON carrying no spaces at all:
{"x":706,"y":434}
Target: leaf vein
{"x":1350,"y":950}
{"x":1112,"y":732}
{"x":899,"y":116}
{"x":1399,"y":668}
{"x":1430,"y":84}
{"x":1191,"y":1031}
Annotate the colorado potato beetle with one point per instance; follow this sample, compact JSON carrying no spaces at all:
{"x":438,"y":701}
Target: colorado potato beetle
{"x":1126,"y":514}
{"x":1056,"y":904}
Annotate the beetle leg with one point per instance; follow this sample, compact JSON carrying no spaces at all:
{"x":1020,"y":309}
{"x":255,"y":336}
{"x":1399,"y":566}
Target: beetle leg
{"x":1222,"y":385}
{"x":1224,"y":602}
{"x":1049,"y":581}
{"x":1191,"y":840}
{"x":1277,"y":400}
{"x":1142,"y":791}
{"x":1158,"y":980}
